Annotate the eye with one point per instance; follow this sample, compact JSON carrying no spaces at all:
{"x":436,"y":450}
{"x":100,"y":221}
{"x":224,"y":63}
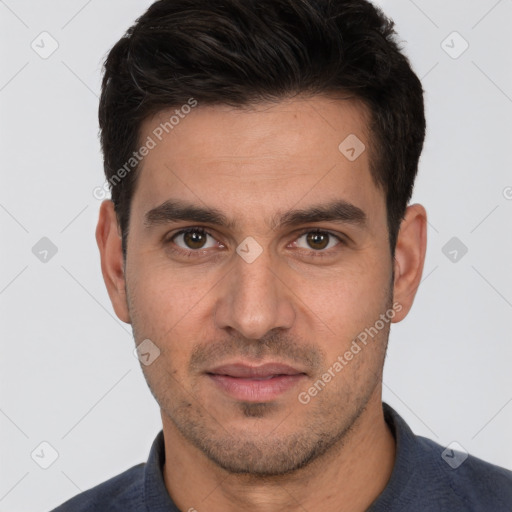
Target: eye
{"x":193,"y":239}
{"x":317,"y":240}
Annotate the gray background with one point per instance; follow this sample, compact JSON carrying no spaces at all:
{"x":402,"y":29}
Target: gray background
{"x":68,"y":374}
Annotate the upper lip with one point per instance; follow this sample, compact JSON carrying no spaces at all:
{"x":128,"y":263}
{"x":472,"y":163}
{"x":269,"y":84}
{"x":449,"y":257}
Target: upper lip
{"x":242,"y":370}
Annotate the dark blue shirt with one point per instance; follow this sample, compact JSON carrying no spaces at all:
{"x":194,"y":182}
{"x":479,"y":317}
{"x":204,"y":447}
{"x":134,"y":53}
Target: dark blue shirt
{"x":426,"y":477}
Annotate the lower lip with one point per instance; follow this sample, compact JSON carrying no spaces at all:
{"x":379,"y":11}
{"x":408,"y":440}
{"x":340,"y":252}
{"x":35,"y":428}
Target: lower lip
{"x":251,"y":390}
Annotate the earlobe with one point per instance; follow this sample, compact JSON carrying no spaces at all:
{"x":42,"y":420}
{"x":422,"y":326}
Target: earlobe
{"x":112,"y":264}
{"x":409,"y":258}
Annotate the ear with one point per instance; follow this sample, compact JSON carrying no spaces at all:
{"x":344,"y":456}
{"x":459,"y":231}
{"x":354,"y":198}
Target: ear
{"x":410,"y":252}
{"x":112,"y":265}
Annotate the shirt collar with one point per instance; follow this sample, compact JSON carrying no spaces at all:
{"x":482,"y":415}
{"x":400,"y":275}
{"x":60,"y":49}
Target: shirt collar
{"x":156,"y":497}
{"x":404,"y":467}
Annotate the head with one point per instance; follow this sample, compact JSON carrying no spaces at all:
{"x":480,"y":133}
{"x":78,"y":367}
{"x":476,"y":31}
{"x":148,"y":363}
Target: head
{"x":241,"y":53}
{"x":245,"y":110}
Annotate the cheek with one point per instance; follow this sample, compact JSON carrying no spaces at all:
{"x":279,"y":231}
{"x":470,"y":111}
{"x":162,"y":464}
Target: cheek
{"x":165,"y":301}
{"x":171,"y":318}
{"x":345,"y":300}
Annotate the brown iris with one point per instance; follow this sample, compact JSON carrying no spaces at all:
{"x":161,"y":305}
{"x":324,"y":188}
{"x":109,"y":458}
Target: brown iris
{"x":194,"y":239}
{"x":318,"y":241}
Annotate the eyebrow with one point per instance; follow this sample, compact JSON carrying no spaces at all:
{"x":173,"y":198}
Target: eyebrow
{"x":339,"y":211}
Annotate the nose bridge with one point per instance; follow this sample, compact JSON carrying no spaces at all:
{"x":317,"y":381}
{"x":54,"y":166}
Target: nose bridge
{"x":254,"y":299}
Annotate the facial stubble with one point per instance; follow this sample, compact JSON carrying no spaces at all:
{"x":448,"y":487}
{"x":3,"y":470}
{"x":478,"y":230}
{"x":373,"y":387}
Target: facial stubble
{"x":318,"y":429}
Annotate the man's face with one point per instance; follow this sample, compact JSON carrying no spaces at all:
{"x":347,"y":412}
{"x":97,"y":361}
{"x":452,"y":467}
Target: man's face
{"x":296,"y":294}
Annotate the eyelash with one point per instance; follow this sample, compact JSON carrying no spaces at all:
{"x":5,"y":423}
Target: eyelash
{"x":202,"y":231}
{"x":183,"y":252}
{"x":322,"y":253}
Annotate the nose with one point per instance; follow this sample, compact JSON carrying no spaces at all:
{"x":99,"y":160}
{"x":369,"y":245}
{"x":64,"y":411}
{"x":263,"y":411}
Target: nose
{"x":254,"y":298}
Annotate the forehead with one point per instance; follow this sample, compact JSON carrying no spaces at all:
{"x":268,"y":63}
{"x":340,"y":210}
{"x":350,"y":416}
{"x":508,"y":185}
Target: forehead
{"x":254,"y":161}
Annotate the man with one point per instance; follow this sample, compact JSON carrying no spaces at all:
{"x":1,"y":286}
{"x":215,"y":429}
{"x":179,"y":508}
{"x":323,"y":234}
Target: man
{"x":261,"y":155}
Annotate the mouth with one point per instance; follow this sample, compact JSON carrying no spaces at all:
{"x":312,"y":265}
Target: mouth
{"x":255,"y":383}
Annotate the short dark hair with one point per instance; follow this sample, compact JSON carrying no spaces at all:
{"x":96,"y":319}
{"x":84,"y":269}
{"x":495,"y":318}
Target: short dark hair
{"x":242,"y":52}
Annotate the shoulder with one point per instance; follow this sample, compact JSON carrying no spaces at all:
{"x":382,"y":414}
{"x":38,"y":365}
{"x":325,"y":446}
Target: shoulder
{"x":472,"y":481}
{"x":433,"y":478}
{"x":123,"y":493}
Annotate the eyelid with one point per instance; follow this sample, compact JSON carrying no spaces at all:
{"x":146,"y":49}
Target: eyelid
{"x":190,"y":229}
{"x":339,"y":237}
{"x":297,"y":234}
{"x":180,"y":231}
{"x":169,"y":238}
{"x":320,"y":230}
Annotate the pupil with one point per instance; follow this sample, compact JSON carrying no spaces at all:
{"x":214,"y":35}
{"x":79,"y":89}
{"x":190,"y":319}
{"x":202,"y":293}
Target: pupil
{"x":318,"y":238}
{"x":194,"y":239}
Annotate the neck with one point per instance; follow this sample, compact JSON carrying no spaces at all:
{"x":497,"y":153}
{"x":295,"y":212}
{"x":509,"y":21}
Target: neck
{"x":347,"y":478}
